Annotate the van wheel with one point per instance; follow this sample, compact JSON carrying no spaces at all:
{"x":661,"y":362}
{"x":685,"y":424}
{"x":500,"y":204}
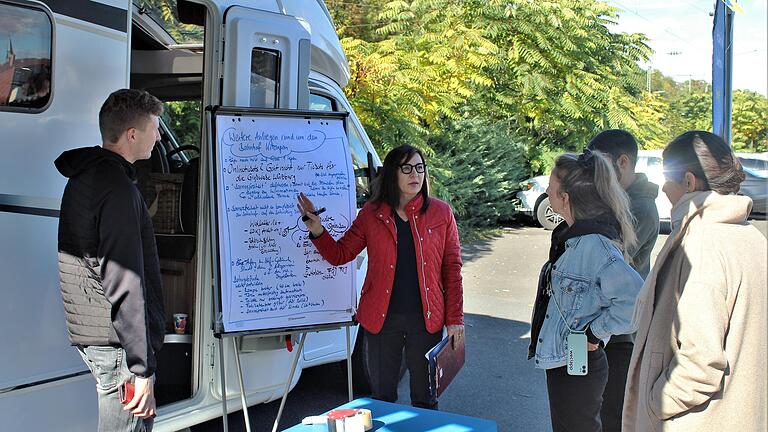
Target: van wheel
{"x":547,"y":217}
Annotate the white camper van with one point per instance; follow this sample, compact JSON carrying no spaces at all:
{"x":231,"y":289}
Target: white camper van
{"x":59,"y":59}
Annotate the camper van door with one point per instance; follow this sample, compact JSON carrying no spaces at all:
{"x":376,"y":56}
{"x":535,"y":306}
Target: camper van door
{"x":266,"y":60}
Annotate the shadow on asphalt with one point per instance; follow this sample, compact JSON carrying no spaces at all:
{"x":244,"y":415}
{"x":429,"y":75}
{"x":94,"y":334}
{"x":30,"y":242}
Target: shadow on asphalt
{"x":496,"y":374}
{"x":481,"y":248}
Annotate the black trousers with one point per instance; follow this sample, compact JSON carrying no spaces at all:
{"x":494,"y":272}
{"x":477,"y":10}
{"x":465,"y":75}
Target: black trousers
{"x":619,"y":355}
{"x":574,"y":401}
{"x":384,"y":355}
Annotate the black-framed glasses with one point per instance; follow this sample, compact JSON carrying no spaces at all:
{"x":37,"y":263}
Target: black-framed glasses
{"x":408,"y":168}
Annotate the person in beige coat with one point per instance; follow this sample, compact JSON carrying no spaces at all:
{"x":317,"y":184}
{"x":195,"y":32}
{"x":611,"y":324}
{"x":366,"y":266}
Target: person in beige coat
{"x":699,"y":362}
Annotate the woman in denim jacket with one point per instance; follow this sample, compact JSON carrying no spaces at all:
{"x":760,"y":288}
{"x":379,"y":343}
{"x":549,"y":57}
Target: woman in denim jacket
{"x":585,"y":287}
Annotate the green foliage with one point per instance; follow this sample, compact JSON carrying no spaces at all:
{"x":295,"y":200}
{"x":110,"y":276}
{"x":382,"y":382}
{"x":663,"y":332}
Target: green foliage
{"x":493,"y":90}
{"x":356,"y":19}
{"x":651,"y":129}
{"x":690,"y":111}
{"x":749,"y":121}
{"x":562,"y":74}
{"x":165,"y":13}
{"x":428,"y":64}
{"x":482,"y":164}
{"x":183,"y":118}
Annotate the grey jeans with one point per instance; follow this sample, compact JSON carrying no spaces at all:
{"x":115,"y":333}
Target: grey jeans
{"x":108,"y":366}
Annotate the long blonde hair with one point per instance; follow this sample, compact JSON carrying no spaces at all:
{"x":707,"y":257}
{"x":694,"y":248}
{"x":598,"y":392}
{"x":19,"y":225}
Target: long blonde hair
{"x":594,"y":191}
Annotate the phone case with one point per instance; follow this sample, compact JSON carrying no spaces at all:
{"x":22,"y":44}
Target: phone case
{"x":577,"y":354}
{"x":125,"y":392}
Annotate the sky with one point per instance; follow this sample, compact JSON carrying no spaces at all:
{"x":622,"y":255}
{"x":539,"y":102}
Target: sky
{"x":680,"y":33}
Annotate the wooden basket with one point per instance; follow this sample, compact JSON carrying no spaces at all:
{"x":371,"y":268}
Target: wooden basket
{"x":164,"y":207}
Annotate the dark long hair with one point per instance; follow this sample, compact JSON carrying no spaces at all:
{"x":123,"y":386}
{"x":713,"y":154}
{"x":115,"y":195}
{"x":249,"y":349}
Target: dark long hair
{"x":385,"y":187}
{"x":706,"y":156}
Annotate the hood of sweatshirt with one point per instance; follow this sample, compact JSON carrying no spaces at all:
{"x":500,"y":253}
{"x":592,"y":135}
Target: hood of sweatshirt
{"x":73,"y":162}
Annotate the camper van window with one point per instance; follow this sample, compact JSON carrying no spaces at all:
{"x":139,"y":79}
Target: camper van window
{"x":359,"y":163}
{"x":25,"y":66}
{"x":321,"y":103}
{"x":265,"y":78}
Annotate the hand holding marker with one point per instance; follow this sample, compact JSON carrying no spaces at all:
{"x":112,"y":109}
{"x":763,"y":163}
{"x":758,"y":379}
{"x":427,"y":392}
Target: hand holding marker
{"x":316,"y":213}
{"x":309,"y":215}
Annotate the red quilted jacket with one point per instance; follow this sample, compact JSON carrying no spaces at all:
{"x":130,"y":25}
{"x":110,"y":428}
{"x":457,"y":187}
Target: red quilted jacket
{"x":437,"y":246}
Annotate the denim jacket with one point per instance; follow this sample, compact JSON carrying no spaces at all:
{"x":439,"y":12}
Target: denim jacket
{"x":594,"y":287}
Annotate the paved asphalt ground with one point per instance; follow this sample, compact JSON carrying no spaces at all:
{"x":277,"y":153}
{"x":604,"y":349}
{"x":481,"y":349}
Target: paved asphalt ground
{"x":497,"y":382}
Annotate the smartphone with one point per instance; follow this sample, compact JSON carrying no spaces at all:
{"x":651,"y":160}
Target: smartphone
{"x":125,"y":392}
{"x":577,"y":354}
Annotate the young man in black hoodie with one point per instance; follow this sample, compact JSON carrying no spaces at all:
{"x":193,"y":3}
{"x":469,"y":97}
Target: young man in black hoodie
{"x":108,"y":263}
{"x":621,"y":147}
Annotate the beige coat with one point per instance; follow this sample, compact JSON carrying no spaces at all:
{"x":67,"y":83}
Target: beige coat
{"x":699,"y":362}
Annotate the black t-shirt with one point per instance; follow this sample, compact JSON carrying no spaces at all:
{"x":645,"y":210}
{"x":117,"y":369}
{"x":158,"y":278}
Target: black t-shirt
{"x":406,"y":298}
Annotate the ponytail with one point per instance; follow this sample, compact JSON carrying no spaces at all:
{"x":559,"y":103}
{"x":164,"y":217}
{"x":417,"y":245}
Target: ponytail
{"x":591,"y":182}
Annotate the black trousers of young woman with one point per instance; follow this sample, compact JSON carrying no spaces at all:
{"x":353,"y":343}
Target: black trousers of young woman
{"x":575,"y":401}
{"x":384,"y":355}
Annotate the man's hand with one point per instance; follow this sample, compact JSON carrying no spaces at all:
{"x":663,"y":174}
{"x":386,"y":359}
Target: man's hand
{"x":457,"y":331}
{"x":143,"y":402}
{"x":592,"y":347}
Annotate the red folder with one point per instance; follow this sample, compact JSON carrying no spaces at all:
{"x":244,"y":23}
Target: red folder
{"x":445,"y":361}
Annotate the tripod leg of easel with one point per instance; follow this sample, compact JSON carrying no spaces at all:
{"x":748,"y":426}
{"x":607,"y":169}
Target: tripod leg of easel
{"x":290,"y":378}
{"x":242,"y":387}
{"x":349,"y":365}
{"x":223,"y":385}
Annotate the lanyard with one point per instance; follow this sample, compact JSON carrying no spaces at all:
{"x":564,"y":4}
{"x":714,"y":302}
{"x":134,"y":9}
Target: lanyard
{"x":553,"y":298}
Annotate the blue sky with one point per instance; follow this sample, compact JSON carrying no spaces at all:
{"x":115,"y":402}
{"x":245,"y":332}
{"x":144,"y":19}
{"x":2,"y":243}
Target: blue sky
{"x":680,"y":33}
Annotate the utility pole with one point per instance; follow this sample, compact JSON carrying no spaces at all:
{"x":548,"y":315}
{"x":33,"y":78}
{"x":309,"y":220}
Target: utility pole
{"x":648,"y":74}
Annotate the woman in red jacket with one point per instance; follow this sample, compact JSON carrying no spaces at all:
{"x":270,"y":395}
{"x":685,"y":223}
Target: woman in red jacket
{"x":413,"y":285}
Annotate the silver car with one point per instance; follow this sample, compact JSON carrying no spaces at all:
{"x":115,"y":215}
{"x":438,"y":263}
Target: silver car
{"x":755,"y":183}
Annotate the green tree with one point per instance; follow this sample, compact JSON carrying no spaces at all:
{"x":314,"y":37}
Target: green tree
{"x":562,"y":75}
{"x":689,"y":111}
{"x":183,"y":118}
{"x":429,"y":63}
{"x":480,"y":164}
{"x":749,"y":121}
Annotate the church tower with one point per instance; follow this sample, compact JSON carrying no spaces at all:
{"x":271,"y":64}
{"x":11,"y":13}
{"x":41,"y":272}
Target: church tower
{"x":10,"y":56}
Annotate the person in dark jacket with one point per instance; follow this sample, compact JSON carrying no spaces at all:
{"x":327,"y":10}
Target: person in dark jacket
{"x":108,"y":263}
{"x":413,"y":285}
{"x":621,"y":147}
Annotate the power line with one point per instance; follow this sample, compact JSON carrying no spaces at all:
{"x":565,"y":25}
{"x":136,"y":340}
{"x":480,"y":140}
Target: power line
{"x":666,"y":30}
{"x":695,"y":6}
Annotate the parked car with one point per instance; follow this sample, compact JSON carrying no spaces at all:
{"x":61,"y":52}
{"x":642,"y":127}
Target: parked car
{"x":533,"y":201}
{"x":755,"y":183}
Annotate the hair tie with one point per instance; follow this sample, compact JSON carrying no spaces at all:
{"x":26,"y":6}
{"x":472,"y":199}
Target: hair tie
{"x":587,"y":158}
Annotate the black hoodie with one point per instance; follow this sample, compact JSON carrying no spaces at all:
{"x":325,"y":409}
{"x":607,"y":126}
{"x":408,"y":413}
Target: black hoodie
{"x":108,"y":264}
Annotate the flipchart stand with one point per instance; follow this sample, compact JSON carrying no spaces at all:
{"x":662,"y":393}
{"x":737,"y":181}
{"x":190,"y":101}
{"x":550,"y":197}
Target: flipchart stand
{"x":245,"y":126}
{"x":298,"y":349}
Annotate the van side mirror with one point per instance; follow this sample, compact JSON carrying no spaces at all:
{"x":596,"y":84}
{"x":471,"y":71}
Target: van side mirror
{"x":373,"y":170}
